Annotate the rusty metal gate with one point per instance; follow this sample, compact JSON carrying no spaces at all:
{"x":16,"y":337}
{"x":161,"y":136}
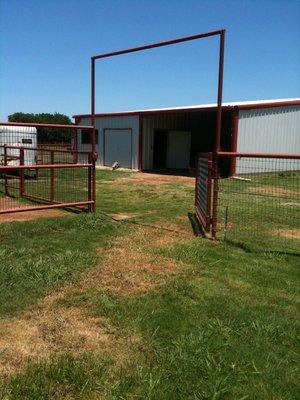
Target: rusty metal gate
{"x":45,"y":177}
{"x":203,"y":190}
{"x":256,"y":203}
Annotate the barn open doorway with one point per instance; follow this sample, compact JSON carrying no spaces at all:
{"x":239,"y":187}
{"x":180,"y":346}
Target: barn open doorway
{"x":160,"y":142}
{"x":172,"y":140}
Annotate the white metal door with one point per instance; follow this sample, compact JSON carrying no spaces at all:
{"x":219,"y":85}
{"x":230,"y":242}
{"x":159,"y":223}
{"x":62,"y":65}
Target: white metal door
{"x":178,"y":152}
{"x":118,"y":147}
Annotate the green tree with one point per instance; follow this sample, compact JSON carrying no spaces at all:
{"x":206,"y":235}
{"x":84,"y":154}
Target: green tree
{"x":46,"y":135}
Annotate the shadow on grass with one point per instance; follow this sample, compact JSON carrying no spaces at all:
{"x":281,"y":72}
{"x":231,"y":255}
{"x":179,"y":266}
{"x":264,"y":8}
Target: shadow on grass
{"x":251,"y":249}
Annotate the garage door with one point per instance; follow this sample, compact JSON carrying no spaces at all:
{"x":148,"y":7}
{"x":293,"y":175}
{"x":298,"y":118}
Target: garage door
{"x":118,"y":147}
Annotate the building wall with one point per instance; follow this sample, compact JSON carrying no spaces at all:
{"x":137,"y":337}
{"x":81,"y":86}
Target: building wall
{"x":268,"y":130}
{"x":25,"y":136}
{"x":113,"y":122}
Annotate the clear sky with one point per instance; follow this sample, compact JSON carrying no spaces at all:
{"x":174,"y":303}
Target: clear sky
{"x":45,"y":49}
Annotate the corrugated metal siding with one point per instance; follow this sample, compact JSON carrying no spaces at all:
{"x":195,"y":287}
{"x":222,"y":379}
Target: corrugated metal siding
{"x":13,"y":136}
{"x":163,"y":121}
{"x":15,"y":130}
{"x":269,"y":130}
{"x":113,"y":123}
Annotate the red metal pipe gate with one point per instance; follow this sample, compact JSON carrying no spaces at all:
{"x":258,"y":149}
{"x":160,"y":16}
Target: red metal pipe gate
{"x":53,"y":178}
{"x":271,"y":166}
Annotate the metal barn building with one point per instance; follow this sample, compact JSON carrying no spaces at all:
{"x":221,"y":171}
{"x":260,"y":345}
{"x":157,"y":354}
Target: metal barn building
{"x":17,"y":136}
{"x":171,"y":137}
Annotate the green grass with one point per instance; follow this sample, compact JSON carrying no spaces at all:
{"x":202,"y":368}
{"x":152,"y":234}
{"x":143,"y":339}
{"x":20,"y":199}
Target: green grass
{"x":254,"y":216}
{"x":37,"y":256}
{"x":225,"y":327}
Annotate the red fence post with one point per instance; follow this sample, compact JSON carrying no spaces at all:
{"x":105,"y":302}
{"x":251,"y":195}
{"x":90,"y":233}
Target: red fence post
{"x":22,"y":173}
{"x":52,"y":177}
{"x":215,"y":180}
{"x":5,"y":175}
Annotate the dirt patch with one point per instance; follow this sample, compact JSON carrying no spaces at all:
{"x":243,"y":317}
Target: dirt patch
{"x":51,"y":328}
{"x":31,"y":215}
{"x":123,"y":216}
{"x":128,"y":267}
{"x":288,"y":233}
{"x":274,"y":191}
{"x":8,"y":202}
{"x":142,"y":178}
{"x":238,"y":285}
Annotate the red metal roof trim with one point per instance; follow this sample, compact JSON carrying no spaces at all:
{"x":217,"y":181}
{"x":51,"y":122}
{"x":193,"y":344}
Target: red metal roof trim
{"x":192,"y":110}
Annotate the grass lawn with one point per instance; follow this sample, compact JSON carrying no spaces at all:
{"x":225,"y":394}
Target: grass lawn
{"x":93,"y":308}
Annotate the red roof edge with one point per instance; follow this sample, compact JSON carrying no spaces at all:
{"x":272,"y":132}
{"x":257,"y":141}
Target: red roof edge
{"x":192,"y":110}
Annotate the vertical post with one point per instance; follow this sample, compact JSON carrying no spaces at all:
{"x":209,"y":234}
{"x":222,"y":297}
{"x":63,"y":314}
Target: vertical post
{"x":215,"y":183}
{"x":218,"y":136}
{"x":89,"y":182}
{"x":22,"y":173}
{"x":234,"y":139}
{"x":93,"y":173}
{"x":92,"y":170}
{"x":5,"y":174}
{"x":74,"y":146}
{"x":52,"y":177}
{"x":220,"y":92}
{"x":92,"y":91}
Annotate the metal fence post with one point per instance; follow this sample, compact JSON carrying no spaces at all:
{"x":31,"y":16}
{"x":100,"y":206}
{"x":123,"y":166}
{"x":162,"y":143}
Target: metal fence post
{"x":22,"y":173}
{"x":52,"y":177}
{"x":5,"y":174}
{"x":214,"y":220}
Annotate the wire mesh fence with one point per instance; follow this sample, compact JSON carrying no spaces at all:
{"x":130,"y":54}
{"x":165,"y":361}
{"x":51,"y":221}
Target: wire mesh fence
{"x":19,"y":155}
{"x":62,"y":186}
{"x":260,"y":204}
{"x":203,"y":189}
{"x":48,"y":176}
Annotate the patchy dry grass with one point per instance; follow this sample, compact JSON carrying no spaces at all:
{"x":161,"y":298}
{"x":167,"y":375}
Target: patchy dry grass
{"x":139,"y":308}
{"x":52,"y":327}
{"x":28,"y":216}
{"x":288,"y":233}
{"x":274,"y":191}
{"x":141,"y":178}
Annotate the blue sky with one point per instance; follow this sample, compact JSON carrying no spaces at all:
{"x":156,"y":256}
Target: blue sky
{"x":45,"y":49}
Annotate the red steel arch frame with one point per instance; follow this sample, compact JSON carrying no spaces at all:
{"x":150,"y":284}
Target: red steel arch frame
{"x":220,"y":33}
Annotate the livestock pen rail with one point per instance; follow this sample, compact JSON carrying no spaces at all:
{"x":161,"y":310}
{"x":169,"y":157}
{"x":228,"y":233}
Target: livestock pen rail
{"x":259,"y":205}
{"x":35,"y":178}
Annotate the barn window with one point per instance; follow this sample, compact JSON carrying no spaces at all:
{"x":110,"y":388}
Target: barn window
{"x":86,"y":137}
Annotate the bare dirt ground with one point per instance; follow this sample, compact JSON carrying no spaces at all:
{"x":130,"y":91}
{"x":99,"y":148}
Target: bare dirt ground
{"x":8,"y":202}
{"x":52,"y":328}
{"x":127,"y":268}
{"x":156,"y":179}
{"x":274,"y":191}
{"x":289,"y":233}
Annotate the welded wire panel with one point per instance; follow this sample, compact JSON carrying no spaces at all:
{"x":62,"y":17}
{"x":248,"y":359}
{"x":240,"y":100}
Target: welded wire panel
{"x":36,"y":176}
{"x":203,"y":189}
{"x":21,"y":188}
{"x":260,"y":205}
{"x":15,"y":155}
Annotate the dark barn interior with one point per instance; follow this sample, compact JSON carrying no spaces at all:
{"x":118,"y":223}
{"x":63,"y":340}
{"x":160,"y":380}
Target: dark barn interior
{"x":202,"y":128}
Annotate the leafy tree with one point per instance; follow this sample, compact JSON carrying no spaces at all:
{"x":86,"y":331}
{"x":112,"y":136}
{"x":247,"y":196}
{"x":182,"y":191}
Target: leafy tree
{"x":46,"y":135}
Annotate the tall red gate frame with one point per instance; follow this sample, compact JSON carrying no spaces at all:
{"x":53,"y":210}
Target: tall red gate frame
{"x":91,"y":127}
{"x":220,"y":33}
